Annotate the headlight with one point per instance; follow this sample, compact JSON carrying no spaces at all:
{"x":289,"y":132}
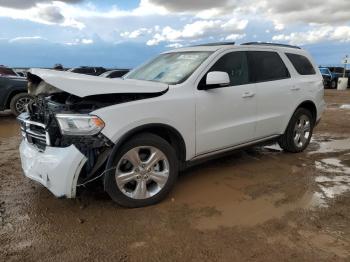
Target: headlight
{"x":76,"y":125}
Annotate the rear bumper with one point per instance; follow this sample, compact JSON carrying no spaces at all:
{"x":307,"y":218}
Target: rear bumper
{"x":57,"y":169}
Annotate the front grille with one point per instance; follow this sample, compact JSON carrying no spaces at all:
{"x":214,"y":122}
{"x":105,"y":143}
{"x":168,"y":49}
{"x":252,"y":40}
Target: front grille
{"x":34,"y":132}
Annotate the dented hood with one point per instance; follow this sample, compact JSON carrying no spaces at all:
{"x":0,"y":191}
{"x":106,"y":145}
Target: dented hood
{"x":86,"y":85}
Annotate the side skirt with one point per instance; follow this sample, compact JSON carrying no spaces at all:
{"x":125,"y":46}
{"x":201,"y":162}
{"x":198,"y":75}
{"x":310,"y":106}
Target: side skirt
{"x":228,"y":151}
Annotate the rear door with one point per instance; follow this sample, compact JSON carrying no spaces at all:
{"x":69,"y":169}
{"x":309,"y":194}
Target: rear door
{"x":226,"y":116}
{"x":274,"y":91}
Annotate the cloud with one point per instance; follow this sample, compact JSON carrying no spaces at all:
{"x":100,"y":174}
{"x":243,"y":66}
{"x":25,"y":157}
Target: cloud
{"x":199,"y":29}
{"x":80,"y":41}
{"x":49,"y":14}
{"x":26,"y":39}
{"x":306,"y":11}
{"x":234,"y":37}
{"x":20,"y":4}
{"x":175,"y":45}
{"x":188,"y":5}
{"x":136,"y":33}
{"x":319,"y":34}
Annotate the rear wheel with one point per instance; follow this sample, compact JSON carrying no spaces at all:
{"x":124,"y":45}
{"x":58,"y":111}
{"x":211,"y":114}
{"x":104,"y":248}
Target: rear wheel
{"x":18,"y":103}
{"x":299,"y":131}
{"x":146,"y":169}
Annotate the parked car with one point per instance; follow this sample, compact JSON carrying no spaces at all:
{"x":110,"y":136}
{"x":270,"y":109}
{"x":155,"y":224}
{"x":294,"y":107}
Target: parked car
{"x":5,"y":71}
{"x":330,"y":79}
{"x":115,"y":73}
{"x":88,"y":70}
{"x":186,"y":105}
{"x":13,"y":91}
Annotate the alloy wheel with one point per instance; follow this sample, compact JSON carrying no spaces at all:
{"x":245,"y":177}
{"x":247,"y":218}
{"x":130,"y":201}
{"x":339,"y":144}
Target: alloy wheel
{"x":142,"y":172}
{"x":302,"y":131}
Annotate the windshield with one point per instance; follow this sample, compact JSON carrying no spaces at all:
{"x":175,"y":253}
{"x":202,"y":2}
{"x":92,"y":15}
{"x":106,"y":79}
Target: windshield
{"x":324,"y":71}
{"x":170,"y":68}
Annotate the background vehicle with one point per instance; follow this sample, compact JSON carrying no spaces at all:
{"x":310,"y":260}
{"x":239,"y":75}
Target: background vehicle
{"x":88,"y":70}
{"x":5,"y":71}
{"x":330,"y":79}
{"x":115,"y":73}
{"x":13,"y":91}
{"x":184,"y":106}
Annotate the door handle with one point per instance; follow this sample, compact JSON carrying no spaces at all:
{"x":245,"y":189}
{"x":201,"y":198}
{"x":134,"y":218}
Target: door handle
{"x":248,"y":94}
{"x":295,"y":88}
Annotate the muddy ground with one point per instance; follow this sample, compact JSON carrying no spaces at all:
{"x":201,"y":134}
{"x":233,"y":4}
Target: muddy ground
{"x":255,"y":205}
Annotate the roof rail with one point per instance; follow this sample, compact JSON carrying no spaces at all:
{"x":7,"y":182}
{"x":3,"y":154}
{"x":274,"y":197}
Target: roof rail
{"x":217,"y":43}
{"x":271,"y":44}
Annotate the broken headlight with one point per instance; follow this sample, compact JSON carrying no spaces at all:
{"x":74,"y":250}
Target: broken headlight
{"x":77,"y":125}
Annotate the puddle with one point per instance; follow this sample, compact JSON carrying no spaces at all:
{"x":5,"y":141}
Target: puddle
{"x":345,"y":106}
{"x":8,"y":126}
{"x":332,"y":165}
{"x":336,"y":183}
{"x":331,"y":146}
{"x":253,"y":212}
{"x":244,"y":191}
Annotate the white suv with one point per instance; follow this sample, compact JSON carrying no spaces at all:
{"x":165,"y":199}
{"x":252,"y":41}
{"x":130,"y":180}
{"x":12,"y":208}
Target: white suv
{"x":136,"y":133}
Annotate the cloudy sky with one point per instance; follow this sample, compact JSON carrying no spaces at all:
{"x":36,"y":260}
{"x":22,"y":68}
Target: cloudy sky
{"x":116,"y":33}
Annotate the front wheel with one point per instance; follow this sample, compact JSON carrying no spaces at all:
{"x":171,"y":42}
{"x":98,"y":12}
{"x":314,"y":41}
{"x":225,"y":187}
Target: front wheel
{"x":144,"y":171}
{"x":299,"y":132}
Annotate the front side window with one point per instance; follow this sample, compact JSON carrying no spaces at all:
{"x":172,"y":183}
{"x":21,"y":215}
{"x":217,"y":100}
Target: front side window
{"x":266,"y":66}
{"x":236,"y":65}
{"x":301,"y":64}
{"x":170,"y":68}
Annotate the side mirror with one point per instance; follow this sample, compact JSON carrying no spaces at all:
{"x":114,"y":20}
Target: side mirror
{"x":216,"y":79}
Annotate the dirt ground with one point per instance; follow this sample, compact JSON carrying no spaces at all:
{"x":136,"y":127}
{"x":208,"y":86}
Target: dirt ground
{"x":256,"y":205}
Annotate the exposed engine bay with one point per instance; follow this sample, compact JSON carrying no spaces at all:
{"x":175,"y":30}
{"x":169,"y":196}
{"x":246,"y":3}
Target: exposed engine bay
{"x":41,"y":128}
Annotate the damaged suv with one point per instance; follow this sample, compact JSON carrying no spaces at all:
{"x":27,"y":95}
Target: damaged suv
{"x":136,"y":133}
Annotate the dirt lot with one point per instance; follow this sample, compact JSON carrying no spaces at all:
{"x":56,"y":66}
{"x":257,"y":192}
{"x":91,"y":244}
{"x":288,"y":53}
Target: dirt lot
{"x":255,"y":205}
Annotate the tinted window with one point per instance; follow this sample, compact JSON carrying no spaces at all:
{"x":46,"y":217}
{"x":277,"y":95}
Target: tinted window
{"x":117,"y":74}
{"x":236,"y":65}
{"x":301,"y":64}
{"x":266,"y":66}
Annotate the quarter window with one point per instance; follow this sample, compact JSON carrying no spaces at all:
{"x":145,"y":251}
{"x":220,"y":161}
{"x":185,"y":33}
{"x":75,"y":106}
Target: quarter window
{"x":266,"y":66}
{"x":301,"y":64}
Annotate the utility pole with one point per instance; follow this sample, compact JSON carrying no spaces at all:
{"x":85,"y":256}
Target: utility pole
{"x":345,"y":62}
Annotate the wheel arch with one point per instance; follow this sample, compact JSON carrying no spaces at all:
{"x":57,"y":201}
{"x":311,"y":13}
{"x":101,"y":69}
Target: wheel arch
{"x":168,"y":133}
{"x":309,"y":105}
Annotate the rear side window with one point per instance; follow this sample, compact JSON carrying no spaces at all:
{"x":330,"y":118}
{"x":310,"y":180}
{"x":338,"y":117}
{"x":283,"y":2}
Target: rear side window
{"x":266,"y":66}
{"x":236,"y":65}
{"x":301,"y":64}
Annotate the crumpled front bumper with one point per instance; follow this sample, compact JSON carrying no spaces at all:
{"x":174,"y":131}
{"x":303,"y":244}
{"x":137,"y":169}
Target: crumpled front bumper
{"x":57,"y":169}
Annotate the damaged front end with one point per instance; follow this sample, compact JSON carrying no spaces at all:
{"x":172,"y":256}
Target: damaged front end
{"x":63,"y":145}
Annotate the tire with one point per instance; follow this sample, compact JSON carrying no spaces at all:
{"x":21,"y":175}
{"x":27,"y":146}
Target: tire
{"x":18,"y":102}
{"x":156,"y":179}
{"x":289,"y":141}
{"x":333,"y":84}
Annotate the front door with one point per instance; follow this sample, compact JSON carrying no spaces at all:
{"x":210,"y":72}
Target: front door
{"x":226,"y":117}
